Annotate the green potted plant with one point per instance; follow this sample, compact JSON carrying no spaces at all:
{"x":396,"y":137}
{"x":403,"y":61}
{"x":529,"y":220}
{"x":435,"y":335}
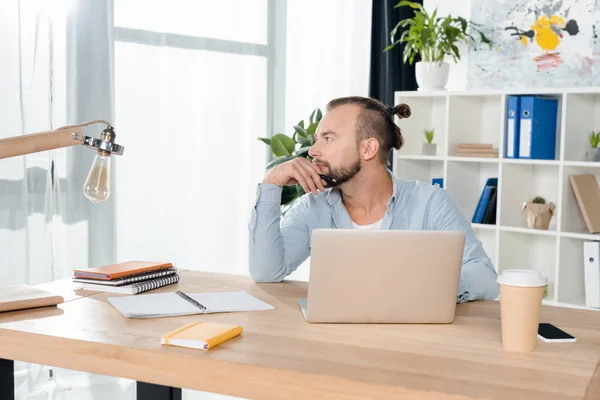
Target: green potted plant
{"x":538,"y":213}
{"x":432,"y":38}
{"x":593,"y":153}
{"x":285,"y":148}
{"x":429,"y":148}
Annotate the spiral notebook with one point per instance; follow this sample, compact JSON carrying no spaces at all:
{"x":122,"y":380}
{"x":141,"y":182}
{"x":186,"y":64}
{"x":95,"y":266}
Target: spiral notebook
{"x":135,"y":288}
{"x":179,"y":303}
{"x":126,"y":280}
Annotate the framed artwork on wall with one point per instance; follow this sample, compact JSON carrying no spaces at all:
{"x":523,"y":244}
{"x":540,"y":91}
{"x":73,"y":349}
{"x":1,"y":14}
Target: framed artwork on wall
{"x":537,"y":43}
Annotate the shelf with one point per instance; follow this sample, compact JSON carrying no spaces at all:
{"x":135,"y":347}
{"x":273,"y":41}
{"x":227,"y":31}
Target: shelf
{"x":478,"y":116}
{"x":465,"y":181}
{"x":571,"y":218}
{"x":489,"y":227}
{"x":582,"y":164}
{"x":499,"y":92}
{"x":423,"y":170}
{"x":528,"y":231}
{"x":426,"y":113}
{"x":525,"y":251}
{"x":581,"y":235}
{"x":529,"y":162}
{"x":473,"y":159}
{"x":474,"y":119}
{"x":583,"y":116}
{"x":521,"y":183}
{"x":418,"y":157}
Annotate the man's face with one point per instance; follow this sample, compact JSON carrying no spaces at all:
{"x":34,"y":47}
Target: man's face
{"x":336,"y":151}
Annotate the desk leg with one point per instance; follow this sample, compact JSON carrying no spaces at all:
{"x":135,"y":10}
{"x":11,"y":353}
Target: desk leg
{"x":7,"y":379}
{"x":149,"y":391}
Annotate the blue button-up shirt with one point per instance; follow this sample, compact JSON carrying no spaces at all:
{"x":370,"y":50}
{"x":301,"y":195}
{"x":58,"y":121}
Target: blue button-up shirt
{"x":277,"y":249}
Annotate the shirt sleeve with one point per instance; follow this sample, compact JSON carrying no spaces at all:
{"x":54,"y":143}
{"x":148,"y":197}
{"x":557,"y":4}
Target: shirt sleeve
{"x":276,"y":249}
{"x":478,"y":276}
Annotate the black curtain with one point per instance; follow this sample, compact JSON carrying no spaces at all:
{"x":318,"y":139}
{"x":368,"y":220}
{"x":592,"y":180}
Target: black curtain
{"x":388,"y":73}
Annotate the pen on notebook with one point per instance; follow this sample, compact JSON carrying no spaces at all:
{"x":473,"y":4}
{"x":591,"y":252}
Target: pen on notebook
{"x":190,"y":300}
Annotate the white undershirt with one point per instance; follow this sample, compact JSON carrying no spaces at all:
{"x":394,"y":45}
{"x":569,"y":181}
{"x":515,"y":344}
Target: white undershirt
{"x":375,"y":225}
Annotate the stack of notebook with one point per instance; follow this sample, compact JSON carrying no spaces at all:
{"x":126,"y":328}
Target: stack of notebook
{"x":476,"y":150}
{"x":131,"y":277}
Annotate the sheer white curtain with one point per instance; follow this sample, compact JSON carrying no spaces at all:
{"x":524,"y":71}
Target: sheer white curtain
{"x":330,"y":59}
{"x":191,"y":99}
{"x":43,"y":226}
{"x":196,"y":82}
{"x":31,"y":219}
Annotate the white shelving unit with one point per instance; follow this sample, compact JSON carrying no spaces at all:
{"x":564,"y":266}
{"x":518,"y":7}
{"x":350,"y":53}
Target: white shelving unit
{"x":479,"y":117}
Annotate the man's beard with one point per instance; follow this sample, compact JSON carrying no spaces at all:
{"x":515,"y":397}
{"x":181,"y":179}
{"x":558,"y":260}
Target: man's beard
{"x":343,"y":174}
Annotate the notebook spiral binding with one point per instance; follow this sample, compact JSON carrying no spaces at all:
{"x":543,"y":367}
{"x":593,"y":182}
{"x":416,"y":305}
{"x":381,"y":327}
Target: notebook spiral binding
{"x":146,"y":274}
{"x":154,"y":283}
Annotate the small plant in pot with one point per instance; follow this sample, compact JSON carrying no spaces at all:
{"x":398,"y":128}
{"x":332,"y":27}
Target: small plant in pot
{"x":593,"y":153}
{"x":429,"y":148}
{"x":432,"y":38}
{"x":538,"y":213}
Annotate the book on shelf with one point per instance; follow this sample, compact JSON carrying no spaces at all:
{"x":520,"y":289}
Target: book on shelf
{"x":476,"y":150}
{"x":484,"y":200}
{"x":489,"y":217}
{"x":587,"y":193}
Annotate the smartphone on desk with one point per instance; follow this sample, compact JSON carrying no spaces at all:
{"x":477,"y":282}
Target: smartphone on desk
{"x":551,"y":334}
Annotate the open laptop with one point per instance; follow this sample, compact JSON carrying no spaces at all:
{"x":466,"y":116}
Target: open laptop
{"x":383,"y":276}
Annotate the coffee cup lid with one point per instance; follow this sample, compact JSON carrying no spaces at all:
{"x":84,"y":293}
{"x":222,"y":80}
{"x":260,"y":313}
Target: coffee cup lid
{"x":522,"y":277}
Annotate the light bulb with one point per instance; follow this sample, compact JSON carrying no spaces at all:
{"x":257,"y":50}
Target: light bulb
{"x":97,"y":185}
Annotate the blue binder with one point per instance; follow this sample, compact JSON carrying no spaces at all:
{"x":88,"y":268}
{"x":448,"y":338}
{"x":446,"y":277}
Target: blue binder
{"x":484,"y":200}
{"x":513,"y":109}
{"x":537,"y":128}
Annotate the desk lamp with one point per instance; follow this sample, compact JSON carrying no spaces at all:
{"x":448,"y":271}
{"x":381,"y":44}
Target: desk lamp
{"x":97,"y":185}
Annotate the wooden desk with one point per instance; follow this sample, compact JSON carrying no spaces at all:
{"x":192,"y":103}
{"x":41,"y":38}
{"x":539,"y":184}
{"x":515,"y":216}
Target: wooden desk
{"x":281,"y":356}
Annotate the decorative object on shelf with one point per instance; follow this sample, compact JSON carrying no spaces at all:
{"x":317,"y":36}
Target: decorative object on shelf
{"x":439,"y":182}
{"x":593,"y":153}
{"x":96,"y":187}
{"x":538,"y":43}
{"x":587,"y":193}
{"x":432,"y":38}
{"x":429,"y":148}
{"x":538,"y":213}
{"x":486,"y":150}
{"x":286,"y":148}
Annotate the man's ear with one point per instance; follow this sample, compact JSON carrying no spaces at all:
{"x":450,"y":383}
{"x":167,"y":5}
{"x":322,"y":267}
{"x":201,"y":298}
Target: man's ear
{"x":369,"y":148}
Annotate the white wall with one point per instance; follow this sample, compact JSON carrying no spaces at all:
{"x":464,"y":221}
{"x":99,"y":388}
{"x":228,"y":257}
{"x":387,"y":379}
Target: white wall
{"x":458,"y":72}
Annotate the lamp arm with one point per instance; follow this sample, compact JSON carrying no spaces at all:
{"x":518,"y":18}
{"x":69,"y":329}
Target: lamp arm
{"x":36,"y":142}
{"x":65,"y":136}
{"x":96,"y":121}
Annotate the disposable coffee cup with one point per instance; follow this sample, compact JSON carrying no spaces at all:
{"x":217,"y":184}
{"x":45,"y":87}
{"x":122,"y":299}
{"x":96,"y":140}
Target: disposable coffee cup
{"x":521,"y":293}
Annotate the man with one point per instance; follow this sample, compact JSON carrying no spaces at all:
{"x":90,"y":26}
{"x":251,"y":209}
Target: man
{"x":352,"y":144}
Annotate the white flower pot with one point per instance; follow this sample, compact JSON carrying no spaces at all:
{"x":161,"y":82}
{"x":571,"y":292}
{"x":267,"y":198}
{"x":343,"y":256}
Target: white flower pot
{"x":431,"y":76}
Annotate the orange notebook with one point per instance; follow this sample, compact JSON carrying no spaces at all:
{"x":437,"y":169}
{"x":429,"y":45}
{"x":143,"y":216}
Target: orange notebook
{"x":120,"y":270}
{"x":201,"y":335}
